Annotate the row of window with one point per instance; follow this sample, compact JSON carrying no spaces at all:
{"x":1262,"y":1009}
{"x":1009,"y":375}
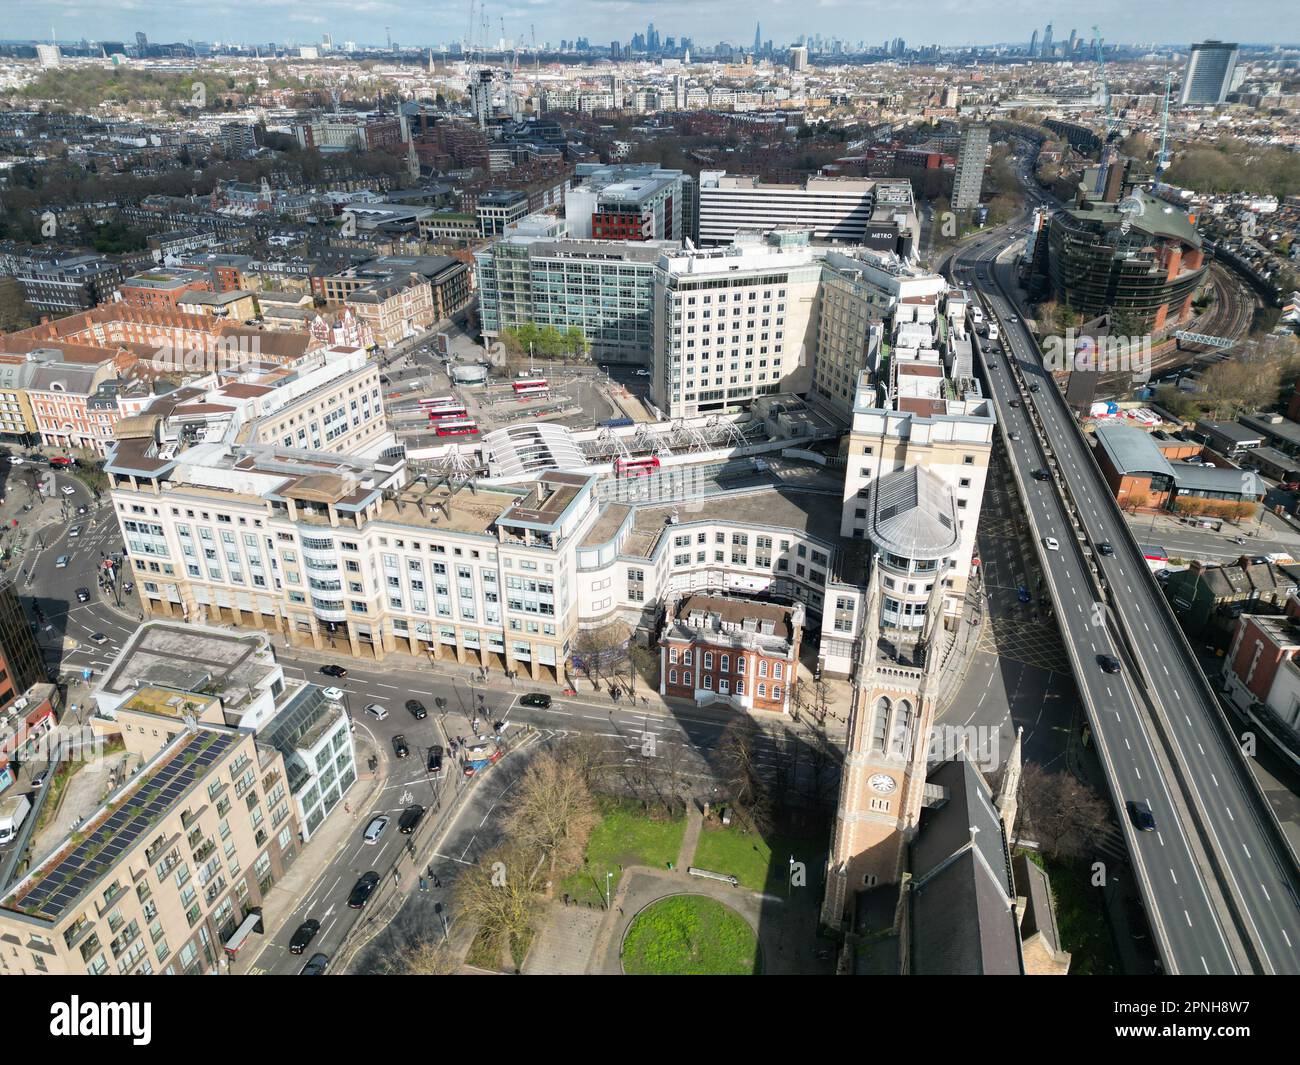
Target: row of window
{"x":724,"y":684}
{"x":724,"y":663}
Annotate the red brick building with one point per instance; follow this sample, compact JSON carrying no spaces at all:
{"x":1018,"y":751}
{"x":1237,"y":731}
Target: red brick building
{"x":720,"y":649}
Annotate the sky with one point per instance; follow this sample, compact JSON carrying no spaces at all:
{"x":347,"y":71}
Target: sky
{"x":944,"y":22}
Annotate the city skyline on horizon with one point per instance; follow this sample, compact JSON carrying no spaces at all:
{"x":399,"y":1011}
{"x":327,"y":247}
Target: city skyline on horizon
{"x":981,"y":24}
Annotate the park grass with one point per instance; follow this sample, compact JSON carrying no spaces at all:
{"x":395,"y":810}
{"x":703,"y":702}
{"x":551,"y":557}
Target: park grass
{"x":626,"y":835}
{"x":690,"y":935}
{"x":1080,"y":917}
{"x":760,"y":864}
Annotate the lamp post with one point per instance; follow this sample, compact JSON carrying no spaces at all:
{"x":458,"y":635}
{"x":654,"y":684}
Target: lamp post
{"x":608,"y":877}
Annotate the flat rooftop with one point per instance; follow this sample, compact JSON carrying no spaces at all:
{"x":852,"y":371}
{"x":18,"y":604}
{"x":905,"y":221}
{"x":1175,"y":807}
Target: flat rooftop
{"x":457,"y":509}
{"x":188,"y":658}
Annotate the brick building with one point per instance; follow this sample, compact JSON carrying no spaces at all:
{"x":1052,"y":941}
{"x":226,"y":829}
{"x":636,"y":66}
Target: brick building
{"x":720,"y":649}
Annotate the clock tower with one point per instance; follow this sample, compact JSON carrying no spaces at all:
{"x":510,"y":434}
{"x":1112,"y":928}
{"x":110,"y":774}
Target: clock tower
{"x":883,"y":779}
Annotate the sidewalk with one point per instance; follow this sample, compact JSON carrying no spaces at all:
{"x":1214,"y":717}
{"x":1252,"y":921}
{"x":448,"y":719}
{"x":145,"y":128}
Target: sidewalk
{"x":314,"y":857}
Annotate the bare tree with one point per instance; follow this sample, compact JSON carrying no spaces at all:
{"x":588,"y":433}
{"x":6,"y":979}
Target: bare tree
{"x":739,"y":772}
{"x":553,"y":813}
{"x":1062,"y":812}
{"x":502,"y":895}
{"x":601,"y":649}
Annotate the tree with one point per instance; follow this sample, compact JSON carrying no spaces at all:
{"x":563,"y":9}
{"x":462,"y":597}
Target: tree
{"x":502,"y":895}
{"x":553,"y":812}
{"x":422,"y":953}
{"x":739,"y":772}
{"x":1063,"y":814}
{"x":601,"y":650}
{"x":15,"y":312}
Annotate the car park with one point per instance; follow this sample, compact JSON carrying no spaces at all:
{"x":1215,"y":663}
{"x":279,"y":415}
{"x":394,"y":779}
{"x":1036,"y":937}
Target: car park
{"x":83,"y":595}
{"x":316,"y":965}
{"x":416,"y":709}
{"x":1051,"y":543}
{"x":375,"y":829}
{"x":538,"y":700}
{"x":376,"y":711}
{"x":1141,"y":816}
{"x":334,"y":671}
{"x":410,"y":819}
{"x":334,"y":695}
{"x":303,"y":935}
{"x":400,"y":747}
{"x":363,"y":889}
{"x":1108,"y":663}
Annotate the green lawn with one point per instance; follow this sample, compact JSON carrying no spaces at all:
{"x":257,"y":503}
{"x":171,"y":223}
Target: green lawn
{"x":760,"y":864}
{"x":1079,"y":915}
{"x":625,"y":836}
{"x":690,"y":935}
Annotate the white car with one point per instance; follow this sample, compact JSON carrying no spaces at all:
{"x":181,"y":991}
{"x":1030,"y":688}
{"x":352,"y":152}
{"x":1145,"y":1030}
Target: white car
{"x":68,"y":490}
{"x":334,"y":694}
{"x":643,"y":373}
{"x":74,"y":531}
{"x":376,"y":711}
{"x":1050,"y":543}
{"x":62,"y":561}
{"x":16,"y":460}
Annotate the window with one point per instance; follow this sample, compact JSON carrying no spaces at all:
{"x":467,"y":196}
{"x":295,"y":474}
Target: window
{"x":708,"y":659}
{"x":672,"y":676}
{"x":776,"y":692}
{"x":686,"y":678}
{"x":708,"y":682}
{"x":762,"y":691}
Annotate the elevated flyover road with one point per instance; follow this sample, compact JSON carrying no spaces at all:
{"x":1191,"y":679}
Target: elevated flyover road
{"x":1217,"y":876}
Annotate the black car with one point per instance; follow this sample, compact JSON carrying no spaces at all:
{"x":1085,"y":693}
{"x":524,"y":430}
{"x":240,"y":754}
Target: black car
{"x":536,"y":699}
{"x":400,"y":747}
{"x":1104,"y":548}
{"x":417,"y":709}
{"x":1041,"y":475}
{"x":316,"y":965}
{"x":409,"y":819}
{"x":1108,"y":663}
{"x":435,"y":759}
{"x":305,"y":934}
{"x":1140,"y":814}
{"x":363,"y":890}
{"x":1015,"y":402}
{"x":334,"y":671}
{"x":83,"y":595}
{"x":1033,"y":387}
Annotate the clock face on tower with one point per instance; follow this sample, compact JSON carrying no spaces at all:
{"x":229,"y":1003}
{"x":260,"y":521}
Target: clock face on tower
{"x":883,"y":783}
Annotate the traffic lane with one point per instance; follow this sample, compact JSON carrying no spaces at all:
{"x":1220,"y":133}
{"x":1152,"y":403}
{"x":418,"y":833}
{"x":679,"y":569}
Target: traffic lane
{"x":1253,"y":891}
{"x":1205,"y":940}
{"x":1259,"y":870}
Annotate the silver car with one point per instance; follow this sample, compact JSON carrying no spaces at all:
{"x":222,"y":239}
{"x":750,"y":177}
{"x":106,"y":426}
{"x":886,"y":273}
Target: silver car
{"x":375,"y":829}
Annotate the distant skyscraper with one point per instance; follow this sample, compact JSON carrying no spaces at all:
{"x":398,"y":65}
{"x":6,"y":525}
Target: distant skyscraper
{"x":1074,"y":39}
{"x":969,"y":176}
{"x":799,"y":57}
{"x":1208,"y":77}
{"x":1033,"y":44}
{"x":1047,"y":42}
{"x":141,"y":42}
{"x":758,"y":38}
{"x":49,"y":55}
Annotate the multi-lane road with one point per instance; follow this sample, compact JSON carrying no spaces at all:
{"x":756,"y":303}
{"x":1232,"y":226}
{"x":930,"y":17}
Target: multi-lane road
{"x":1214,"y":872}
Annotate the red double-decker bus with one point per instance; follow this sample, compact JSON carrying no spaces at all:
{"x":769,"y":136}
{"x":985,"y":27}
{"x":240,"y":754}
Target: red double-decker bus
{"x":439,"y":401}
{"x":457,"y":428}
{"x":442,"y":414}
{"x":641,"y":467}
{"x":536,"y":386}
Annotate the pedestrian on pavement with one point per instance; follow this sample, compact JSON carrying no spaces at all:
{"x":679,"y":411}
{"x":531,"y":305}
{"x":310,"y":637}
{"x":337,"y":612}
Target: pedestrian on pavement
{"x":437,"y":882}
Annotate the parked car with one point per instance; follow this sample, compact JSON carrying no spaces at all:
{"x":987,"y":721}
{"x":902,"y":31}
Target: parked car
{"x":305,"y":933}
{"x":1108,"y":663}
{"x":375,"y":829}
{"x":540,"y":700}
{"x":409,"y":819}
{"x":400,"y":747}
{"x":38,"y":781}
{"x":316,"y":966}
{"x":417,"y":709}
{"x":83,"y":595}
{"x":334,"y":671}
{"x":334,"y":695}
{"x":1141,"y":816}
{"x":16,"y":460}
{"x":376,"y":711}
{"x":363,"y":889}
{"x":434,"y":764}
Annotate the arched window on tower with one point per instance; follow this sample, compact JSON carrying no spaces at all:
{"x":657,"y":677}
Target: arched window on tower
{"x":898,"y":738}
{"x":880,"y":724}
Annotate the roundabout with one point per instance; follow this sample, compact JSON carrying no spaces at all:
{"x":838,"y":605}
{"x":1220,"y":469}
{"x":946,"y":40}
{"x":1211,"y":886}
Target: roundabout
{"x":689,"y":935}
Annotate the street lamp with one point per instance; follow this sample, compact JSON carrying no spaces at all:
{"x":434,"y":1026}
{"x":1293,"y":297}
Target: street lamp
{"x":608,"y":876}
